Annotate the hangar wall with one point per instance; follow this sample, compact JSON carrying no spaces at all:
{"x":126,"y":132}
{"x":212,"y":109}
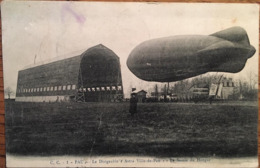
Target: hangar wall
{"x":95,"y":75}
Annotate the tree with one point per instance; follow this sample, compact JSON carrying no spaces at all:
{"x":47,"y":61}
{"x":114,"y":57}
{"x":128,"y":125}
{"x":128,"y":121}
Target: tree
{"x":252,"y":79}
{"x":247,"y":89}
{"x":8,"y":92}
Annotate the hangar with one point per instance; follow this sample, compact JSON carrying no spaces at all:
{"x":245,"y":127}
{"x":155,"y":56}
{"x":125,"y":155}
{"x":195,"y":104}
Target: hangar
{"x":93,"y":76}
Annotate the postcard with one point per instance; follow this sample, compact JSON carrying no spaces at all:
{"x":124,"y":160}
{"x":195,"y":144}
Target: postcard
{"x":130,"y":84}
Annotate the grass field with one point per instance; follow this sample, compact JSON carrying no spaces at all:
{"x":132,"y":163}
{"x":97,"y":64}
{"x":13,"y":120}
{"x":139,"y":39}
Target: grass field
{"x":159,"y":129}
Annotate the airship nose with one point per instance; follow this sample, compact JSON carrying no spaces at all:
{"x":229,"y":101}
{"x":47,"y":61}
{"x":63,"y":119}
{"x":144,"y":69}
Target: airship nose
{"x":251,"y":51}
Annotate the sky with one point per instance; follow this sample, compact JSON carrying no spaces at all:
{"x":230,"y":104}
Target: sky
{"x":38,"y":32}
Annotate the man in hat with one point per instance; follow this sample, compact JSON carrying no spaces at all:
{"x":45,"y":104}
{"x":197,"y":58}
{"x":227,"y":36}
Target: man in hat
{"x":133,"y":104}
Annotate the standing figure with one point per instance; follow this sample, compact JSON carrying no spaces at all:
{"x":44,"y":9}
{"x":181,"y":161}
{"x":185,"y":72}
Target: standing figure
{"x":133,"y":104}
{"x":211,"y":99}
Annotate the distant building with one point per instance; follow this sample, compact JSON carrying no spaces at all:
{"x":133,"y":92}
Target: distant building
{"x":226,"y":88}
{"x":95,"y":75}
{"x":141,"y":95}
{"x":198,"y":91}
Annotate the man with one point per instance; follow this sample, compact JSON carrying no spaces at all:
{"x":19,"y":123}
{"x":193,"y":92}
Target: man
{"x":211,"y":99}
{"x":133,"y":104}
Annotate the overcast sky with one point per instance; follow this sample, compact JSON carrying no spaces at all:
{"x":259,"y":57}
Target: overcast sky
{"x":66,"y":29}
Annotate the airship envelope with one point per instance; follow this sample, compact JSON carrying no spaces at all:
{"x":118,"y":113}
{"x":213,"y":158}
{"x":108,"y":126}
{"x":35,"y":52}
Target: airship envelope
{"x":176,"y":58}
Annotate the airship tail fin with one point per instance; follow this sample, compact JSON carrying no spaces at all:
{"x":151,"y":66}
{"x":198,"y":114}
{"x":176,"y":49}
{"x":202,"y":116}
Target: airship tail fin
{"x":234,"y":34}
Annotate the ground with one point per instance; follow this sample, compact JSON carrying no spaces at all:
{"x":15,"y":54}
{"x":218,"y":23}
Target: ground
{"x":158,"y":129}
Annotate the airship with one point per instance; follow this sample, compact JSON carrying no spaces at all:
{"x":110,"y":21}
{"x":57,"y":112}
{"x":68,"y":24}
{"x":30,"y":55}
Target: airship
{"x":175,"y":58}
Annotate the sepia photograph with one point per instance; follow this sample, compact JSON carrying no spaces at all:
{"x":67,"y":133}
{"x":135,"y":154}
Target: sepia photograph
{"x":130,"y":84}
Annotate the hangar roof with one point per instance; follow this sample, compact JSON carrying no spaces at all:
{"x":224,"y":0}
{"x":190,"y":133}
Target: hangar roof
{"x":66,"y":71}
